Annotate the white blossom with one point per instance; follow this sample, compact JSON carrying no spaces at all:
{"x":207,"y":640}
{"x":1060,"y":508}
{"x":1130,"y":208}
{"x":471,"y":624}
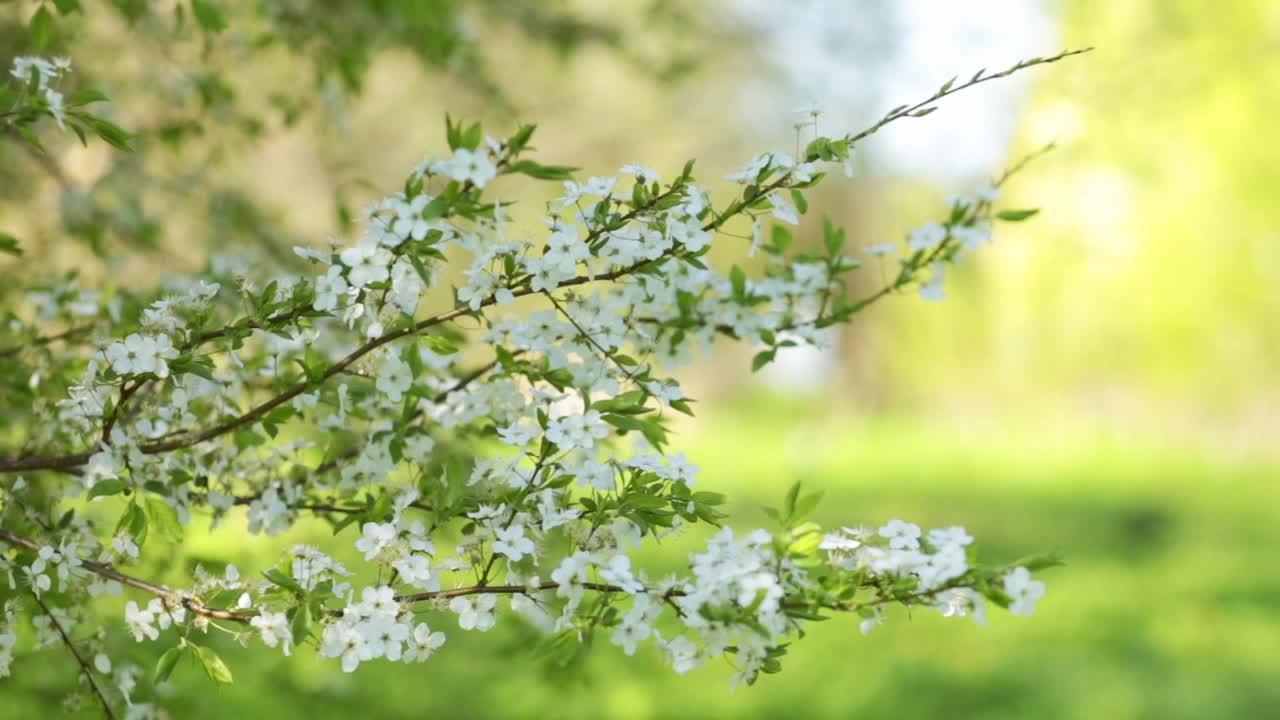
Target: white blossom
{"x":394,"y":378}
{"x":274,"y":629}
{"x":469,"y":166}
{"x":368,"y":262}
{"x":376,"y":538}
{"x":330,"y":287}
{"x":1024,"y":591}
{"x":577,"y":431}
{"x":926,"y":236}
{"x":512,"y":543}
{"x":901,"y":535}
{"x":141,"y":622}
{"x":138,"y":354}
{"x":643,"y":174}
{"x":475,"y":612}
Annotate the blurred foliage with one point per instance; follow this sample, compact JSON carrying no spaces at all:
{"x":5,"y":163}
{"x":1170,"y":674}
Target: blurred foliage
{"x":208,"y":86}
{"x":1146,"y":292}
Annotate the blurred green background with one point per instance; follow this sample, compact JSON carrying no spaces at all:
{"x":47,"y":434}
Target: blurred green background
{"x":1102,"y":382}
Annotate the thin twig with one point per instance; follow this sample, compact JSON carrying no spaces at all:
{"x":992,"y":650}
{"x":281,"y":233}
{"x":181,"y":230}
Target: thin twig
{"x":631,"y":374}
{"x":84,"y":666}
{"x":904,"y":111}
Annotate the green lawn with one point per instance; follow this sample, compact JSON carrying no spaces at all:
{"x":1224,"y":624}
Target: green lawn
{"x":1169,"y":607}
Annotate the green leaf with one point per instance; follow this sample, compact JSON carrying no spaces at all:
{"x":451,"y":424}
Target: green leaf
{"x":628,"y":403}
{"x":802,"y":203}
{"x":208,"y":15}
{"x":79,"y":131}
{"x":624,"y":422}
{"x":33,"y":81}
{"x":108,"y":131}
{"x":103,"y":488}
{"x":805,"y":614}
{"x":168,"y":661}
{"x":806,"y":505}
{"x":66,"y":7}
{"x":181,"y":366}
{"x":687,"y":173}
{"x":471,"y":138}
{"x":85,"y":97}
{"x":521,"y":138}
{"x":789,"y":504}
{"x":705,"y":497}
{"x":1016,"y":215}
{"x":646,"y":502}
{"x":1041,"y":562}
{"x":560,"y":377}
{"x":819,"y":148}
{"x":452,"y":133}
{"x":41,"y":27}
{"x":164,"y":518}
{"x":655,"y":433}
{"x":762,"y":358}
{"x":543,"y":172}
{"x":738,"y":279}
{"x":284,"y":581}
{"x":301,"y":624}
{"x":682,"y":405}
{"x":806,"y":544}
{"x":272,"y":422}
{"x":134,"y":522}
{"x":436,"y":208}
{"x":832,"y":237}
{"x":25,"y":133}
{"x":439,"y":345}
{"x":9,"y":245}
{"x":213,"y":665}
{"x":781,"y":238}
{"x":996,"y":595}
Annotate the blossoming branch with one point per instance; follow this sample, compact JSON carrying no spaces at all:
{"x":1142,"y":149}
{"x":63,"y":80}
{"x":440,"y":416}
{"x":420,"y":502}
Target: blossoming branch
{"x":507,"y":455}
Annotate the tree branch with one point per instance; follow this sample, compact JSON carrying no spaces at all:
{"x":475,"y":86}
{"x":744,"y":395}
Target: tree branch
{"x":197,"y":607}
{"x":106,"y":571}
{"x":45,"y":340}
{"x":903,"y":111}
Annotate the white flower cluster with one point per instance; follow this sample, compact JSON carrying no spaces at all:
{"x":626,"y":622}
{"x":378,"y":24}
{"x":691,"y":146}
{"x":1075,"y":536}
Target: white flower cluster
{"x":139,"y":354}
{"x":377,"y":627}
{"x":932,"y":236}
{"x":732,"y":578}
{"x":45,"y":73}
{"x":63,"y":561}
{"x":147,"y":622}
